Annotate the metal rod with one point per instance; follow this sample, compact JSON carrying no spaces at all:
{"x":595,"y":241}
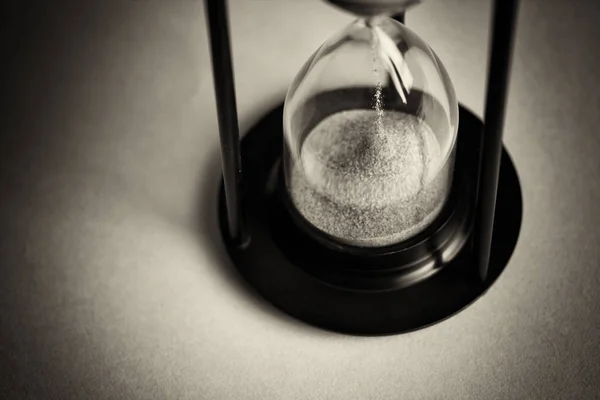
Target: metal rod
{"x":501,"y":41}
{"x":216,"y":15}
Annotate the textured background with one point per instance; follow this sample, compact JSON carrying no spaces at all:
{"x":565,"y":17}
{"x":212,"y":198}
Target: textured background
{"x":114,"y":284}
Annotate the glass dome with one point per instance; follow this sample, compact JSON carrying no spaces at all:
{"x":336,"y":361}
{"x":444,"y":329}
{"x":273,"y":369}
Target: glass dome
{"x":370,"y":125}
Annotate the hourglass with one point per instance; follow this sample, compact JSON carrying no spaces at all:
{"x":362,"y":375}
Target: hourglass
{"x":370,"y":202}
{"x":370,"y":132}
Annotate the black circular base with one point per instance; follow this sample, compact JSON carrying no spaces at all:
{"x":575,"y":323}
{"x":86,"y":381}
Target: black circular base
{"x":360,"y":302}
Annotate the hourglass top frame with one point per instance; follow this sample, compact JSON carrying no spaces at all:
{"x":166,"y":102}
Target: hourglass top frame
{"x":365,"y":216}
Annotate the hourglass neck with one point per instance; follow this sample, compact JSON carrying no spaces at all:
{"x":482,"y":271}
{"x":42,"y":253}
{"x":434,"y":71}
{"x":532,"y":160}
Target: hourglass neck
{"x":373,"y":21}
{"x":374,"y":7}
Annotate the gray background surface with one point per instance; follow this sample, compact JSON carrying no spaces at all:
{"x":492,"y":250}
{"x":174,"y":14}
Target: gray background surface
{"x":114,"y":285}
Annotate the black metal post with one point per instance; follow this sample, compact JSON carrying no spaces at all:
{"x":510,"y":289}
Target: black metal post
{"x":217,"y":21}
{"x":501,"y":44}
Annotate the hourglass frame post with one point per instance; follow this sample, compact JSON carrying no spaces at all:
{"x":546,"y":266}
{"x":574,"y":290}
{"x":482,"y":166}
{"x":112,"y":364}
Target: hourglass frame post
{"x":504,"y":15}
{"x":217,"y":22}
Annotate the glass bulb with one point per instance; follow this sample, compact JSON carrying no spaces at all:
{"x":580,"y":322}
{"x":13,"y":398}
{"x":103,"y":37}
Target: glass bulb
{"x":370,"y":125}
